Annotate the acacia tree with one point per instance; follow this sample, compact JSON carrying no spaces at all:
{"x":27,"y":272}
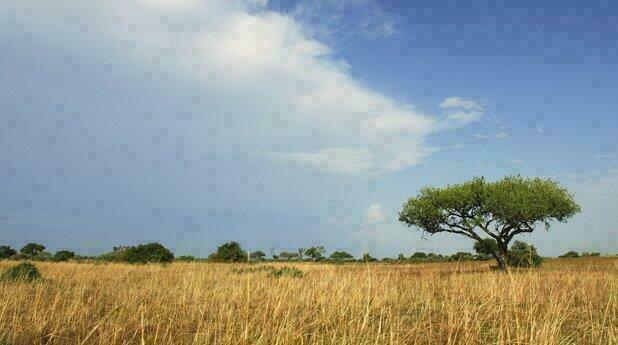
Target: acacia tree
{"x":501,"y":209}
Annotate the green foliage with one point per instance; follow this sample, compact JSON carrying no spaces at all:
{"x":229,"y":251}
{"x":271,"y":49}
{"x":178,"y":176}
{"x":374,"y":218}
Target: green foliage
{"x":257,"y":269}
{"x":501,"y":209}
{"x":64,"y":255}
{"x":291,"y":272}
{"x":32,"y":249}
{"x":271,"y":271}
{"x":461,"y":256}
{"x":418,"y":256}
{"x":25,"y":271}
{"x":341,"y":256}
{"x":514,"y":202}
{"x":257,"y":255}
{"x":289,"y":256}
{"x":229,"y":252}
{"x":486,"y":246}
{"x":315,"y":253}
{"x":6,"y":252}
{"x":118,"y":254}
{"x":587,"y":254}
{"x":144,"y":253}
{"x":570,"y":255}
{"x":522,"y":254}
{"x":186,"y":258}
{"x":435,"y":257}
{"x":368,"y":258}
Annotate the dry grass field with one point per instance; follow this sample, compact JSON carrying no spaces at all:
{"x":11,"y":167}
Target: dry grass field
{"x":565,"y":302}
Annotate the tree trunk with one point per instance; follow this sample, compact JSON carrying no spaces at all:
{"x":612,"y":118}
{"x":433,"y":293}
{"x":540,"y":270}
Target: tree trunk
{"x":501,"y":260}
{"x":500,"y":255}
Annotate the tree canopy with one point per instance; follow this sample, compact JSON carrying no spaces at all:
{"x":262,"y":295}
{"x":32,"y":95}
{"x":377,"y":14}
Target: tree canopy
{"x":341,"y":256}
{"x":500,"y":210}
{"x":229,"y":252}
{"x":32,"y":249}
{"x":6,"y":252}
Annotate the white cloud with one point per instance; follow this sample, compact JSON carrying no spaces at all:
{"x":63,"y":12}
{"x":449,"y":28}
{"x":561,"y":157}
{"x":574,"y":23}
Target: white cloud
{"x":374,"y":215}
{"x":503,"y":135}
{"x":461,"y":111}
{"x":254,"y":65}
{"x":462,"y":103}
{"x":337,"y":160}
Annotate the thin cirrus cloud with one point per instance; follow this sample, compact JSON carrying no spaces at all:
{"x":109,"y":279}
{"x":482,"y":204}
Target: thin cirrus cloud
{"x":287,"y":95}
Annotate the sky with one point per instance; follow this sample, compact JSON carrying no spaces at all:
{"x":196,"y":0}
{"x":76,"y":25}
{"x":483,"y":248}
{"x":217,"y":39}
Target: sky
{"x":287,"y":124}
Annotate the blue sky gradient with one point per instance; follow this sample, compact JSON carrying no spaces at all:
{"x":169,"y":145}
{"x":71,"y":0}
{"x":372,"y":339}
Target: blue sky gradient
{"x":288,"y":124}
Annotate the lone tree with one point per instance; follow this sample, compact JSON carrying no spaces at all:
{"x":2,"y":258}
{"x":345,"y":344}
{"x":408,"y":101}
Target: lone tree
{"x":229,"y":252}
{"x":32,"y":249}
{"x":315,"y":253}
{"x":341,"y":256}
{"x":501,"y":209}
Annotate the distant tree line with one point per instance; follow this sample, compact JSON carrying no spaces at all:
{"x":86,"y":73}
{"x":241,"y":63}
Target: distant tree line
{"x":519,"y":255}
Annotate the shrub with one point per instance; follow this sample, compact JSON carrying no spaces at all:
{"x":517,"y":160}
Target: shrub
{"x":368,"y":258}
{"x":151,"y":252}
{"x":289,"y":256}
{"x":6,"y":252}
{"x":418,"y":256}
{"x":25,"y":271}
{"x":570,"y":254}
{"x":258,"y":255}
{"x":186,"y":258}
{"x":42,"y":256}
{"x":64,"y":255}
{"x":291,"y":272}
{"x":253,"y":269}
{"x":522,"y":254}
{"x":587,"y":254}
{"x":462,"y":256}
{"x":229,"y":252}
{"x":117,"y":254}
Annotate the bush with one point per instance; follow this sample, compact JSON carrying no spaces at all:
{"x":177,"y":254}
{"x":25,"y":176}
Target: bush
{"x":368,"y":258}
{"x":229,"y":252}
{"x":258,"y":255}
{"x":418,"y":256}
{"x":186,"y":258}
{"x":117,"y":254}
{"x":25,"y":271}
{"x":587,"y":254}
{"x":6,"y":252}
{"x":522,"y":254}
{"x":570,"y":255}
{"x":462,"y":256}
{"x":151,"y":252}
{"x":64,"y":255}
{"x":291,"y":272}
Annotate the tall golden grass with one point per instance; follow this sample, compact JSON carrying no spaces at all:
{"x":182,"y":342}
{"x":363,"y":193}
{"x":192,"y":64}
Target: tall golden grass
{"x":564,"y":302}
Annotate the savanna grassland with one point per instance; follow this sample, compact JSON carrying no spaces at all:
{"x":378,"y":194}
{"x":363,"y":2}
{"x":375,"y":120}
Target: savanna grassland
{"x":567,"y":301}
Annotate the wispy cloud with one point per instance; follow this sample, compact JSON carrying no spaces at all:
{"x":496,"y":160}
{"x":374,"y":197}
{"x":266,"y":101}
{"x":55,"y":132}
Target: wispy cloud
{"x":461,"y":111}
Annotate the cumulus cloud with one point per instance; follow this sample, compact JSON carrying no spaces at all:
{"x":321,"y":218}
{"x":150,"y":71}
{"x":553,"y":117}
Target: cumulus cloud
{"x":374,"y":215}
{"x":262,"y":71}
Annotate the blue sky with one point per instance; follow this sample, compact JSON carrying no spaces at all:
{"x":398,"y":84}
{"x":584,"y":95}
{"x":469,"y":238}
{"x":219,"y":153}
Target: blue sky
{"x":288,"y":124}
